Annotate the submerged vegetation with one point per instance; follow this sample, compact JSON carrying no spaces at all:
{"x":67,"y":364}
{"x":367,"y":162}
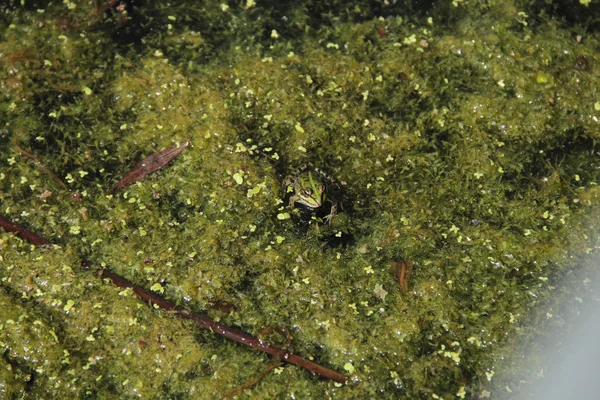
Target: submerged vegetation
{"x":463,"y":134}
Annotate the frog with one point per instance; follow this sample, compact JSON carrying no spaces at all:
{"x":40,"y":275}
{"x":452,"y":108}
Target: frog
{"x":312,"y":187}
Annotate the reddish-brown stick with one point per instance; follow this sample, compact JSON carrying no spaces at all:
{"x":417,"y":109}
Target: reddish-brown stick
{"x":201,"y":320}
{"x":24,"y":233}
{"x":223,"y":330}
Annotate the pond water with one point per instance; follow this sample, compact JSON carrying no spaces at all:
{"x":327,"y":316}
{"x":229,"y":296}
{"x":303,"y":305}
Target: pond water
{"x":461,"y":136}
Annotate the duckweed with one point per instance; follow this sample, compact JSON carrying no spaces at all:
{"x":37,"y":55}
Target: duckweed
{"x":463,"y":133}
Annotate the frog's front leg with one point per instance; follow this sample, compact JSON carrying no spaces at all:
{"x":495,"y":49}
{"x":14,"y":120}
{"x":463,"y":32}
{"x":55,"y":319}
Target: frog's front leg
{"x":293,"y":200}
{"x":332,"y":213}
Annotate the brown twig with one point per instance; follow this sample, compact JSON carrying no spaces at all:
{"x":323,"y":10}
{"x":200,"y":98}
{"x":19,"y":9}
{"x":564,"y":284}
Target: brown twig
{"x":38,"y":162}
{"x":230,"y":333}
{"x":203,"y":321}
{"x":275,"y":362}
{"x":24,"y":233}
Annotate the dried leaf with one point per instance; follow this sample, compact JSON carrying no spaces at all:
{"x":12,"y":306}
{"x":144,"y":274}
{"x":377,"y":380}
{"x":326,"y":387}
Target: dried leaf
{"x":402,"y":271}
{"x":149,"y":164}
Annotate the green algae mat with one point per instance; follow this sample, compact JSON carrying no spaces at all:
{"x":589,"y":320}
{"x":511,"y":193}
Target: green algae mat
{"x":461,"y":136}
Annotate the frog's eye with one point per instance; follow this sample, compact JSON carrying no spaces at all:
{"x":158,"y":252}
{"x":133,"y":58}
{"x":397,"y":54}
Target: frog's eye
{"x":321,"y":188}
{"x":308,"y":192}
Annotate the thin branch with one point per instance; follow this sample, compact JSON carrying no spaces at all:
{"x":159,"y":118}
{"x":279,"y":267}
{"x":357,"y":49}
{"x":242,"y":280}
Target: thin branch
{"x":203,"y":321}
{"x":38,"y":162}
{"x":230,"y":333}
{"x":275,"y":362}
{"x":24,"y":233}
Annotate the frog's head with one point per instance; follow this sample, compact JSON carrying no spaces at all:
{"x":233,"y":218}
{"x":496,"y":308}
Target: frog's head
{"x":311,"y":191}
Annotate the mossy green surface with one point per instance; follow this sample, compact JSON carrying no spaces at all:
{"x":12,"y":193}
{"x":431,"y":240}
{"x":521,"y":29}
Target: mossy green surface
{"x":463,"y":134}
